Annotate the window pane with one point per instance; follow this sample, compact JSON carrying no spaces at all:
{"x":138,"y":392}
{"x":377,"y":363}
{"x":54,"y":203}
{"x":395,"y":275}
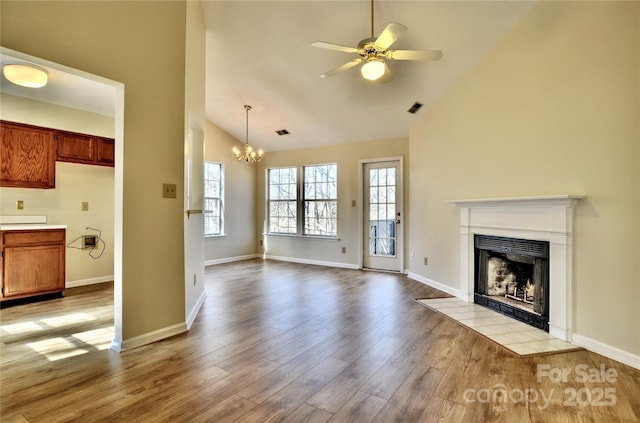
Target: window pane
{"x":320,"y":195}
{"x":213,"y":199}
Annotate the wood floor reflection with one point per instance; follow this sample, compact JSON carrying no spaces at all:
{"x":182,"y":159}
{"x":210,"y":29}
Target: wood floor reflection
{"x":284,"y":342}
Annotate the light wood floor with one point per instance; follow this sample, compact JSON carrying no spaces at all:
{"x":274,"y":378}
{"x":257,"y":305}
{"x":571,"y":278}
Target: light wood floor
{"x":283,"y":342}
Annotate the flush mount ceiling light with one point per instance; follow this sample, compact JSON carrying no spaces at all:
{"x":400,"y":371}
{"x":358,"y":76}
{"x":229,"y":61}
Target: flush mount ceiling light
{"x":249,"y":155}
{"x":30,"y":76}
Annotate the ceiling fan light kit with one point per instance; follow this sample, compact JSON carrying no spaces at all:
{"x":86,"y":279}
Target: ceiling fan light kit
{"x":372,"y":70}
{"x":375,"y":51}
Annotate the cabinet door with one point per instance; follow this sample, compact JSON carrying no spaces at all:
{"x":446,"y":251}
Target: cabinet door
{"x":28,"y":156}
{"x":75,"y":148}
{"x":32,"y":270}
{"x":105,"y":151}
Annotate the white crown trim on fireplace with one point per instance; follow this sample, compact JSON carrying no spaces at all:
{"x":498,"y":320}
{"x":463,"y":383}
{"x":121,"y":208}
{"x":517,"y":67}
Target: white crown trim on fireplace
{"x":544,"y":218}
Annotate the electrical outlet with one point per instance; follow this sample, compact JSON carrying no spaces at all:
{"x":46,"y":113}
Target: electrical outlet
{"x":261,"y":243}
{"x":353,"y":203}
{"x":344,"y":250}
{"x":426,"y":261}
{"x":194,"y":279}
{"x":169,"y":190}
{"x":19,"y":205}
{"x":85,"y":206}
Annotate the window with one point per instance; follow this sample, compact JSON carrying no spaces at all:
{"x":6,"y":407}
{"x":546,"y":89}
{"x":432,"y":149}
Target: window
{"x":314,"y":211}
{"x":320,"y":200}
{"x":213,"y":199}
{"x":283,"y":200}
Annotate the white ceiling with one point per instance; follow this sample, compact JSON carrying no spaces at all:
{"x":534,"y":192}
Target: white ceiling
{"x":62,"y":88}
{"x":259,"y":53}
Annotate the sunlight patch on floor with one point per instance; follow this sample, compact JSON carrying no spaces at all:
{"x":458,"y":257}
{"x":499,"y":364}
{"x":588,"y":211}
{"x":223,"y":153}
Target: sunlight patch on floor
{"x":68,"y":319}
{"x":79,"y":343}
{"x":23,"y":327}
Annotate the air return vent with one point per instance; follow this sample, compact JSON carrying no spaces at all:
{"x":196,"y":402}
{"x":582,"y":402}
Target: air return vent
{"x":282,"y":132}
{"x":416,"y":106}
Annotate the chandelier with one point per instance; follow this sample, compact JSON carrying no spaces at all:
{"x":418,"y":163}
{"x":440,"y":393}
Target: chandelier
{"x":249,"y":155}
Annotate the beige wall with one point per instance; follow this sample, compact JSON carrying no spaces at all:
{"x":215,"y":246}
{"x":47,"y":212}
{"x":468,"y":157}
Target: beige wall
{"x":142,"y":45}
{"x":193,"y":167}
{"x":75,"y":183}
{"x":347,"y":157}
{"x":554,"y":109}
{"x":239,"y":239}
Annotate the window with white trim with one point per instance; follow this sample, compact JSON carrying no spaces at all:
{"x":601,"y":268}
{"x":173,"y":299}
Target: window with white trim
{"x":307,"y":208}
{"x":283,"y":200}
{"x":213,"y":199}
{"x":320,"y":200}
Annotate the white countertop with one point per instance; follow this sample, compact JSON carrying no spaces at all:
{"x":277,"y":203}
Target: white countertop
{"x":30,"y":227}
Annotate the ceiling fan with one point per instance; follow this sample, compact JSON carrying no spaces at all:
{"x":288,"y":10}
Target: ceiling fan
{"x":374,"y":52}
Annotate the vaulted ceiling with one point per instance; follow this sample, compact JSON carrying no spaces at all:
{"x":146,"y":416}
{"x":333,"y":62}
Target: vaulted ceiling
{"x":259,"y":53}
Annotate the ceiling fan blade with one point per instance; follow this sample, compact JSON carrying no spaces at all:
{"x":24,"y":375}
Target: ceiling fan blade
{"x":413,"y":54}
{"x":331,"y":46}
{"x":341,"y":68}
{"x":391,"y":33}
{"x":388,"y":76}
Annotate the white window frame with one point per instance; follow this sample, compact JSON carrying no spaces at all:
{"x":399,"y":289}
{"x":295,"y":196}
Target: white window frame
{"x":300,"y":202}
{"x":328,"y":186}
{"x":282,"y":202}
{"x":220,"y":199}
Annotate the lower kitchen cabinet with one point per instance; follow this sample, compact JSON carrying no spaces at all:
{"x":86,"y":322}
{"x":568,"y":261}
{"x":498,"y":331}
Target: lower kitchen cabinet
{"x":33,"y":262}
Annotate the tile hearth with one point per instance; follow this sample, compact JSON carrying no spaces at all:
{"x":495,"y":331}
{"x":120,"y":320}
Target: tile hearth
{"x":518,"y":337}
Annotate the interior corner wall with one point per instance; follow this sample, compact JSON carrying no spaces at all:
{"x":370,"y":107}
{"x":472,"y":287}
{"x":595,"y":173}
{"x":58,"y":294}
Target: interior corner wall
{"x":142,"y":45}
{"x":347,"y":157}
{"x":553,"y":109}
{"x":194,"y":292}
{"x":75,"y":183}
{"x":239,"y":239}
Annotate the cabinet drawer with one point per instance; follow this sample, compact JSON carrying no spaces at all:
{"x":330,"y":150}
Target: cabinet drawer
{"x":39,"y":237}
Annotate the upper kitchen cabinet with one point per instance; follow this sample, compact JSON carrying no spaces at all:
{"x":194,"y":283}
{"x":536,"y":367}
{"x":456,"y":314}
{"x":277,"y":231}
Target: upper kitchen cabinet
{"x":28,"y":156}
{"x":86,"y":149}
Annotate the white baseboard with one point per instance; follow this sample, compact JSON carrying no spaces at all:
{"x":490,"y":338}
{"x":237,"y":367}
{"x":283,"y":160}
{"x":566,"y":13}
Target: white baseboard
{"x":609,"y":351}
{"x":194,"y":311}
{"x":231,"y":259}
{"x":314,"y":262}
{"x":90,"y":281}
{"x":148,"y":338}
{"x":437,"y":285}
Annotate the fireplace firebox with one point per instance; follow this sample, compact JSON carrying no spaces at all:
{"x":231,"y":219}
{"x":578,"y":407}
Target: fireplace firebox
{"x":512,"y":277}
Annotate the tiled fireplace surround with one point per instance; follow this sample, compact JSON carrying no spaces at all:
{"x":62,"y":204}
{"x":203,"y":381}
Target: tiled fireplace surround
{"x":544,"y":218}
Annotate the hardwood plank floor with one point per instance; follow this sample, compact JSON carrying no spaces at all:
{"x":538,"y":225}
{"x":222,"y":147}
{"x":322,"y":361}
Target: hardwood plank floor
{"x":284,"y":342}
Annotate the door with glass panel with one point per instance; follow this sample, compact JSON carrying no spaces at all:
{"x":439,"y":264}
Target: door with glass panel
{"x":382,"y":216}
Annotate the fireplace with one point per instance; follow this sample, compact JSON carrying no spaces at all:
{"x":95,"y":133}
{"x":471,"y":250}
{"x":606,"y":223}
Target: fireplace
{"x":542,"y":218}
{"x":512,"y":277}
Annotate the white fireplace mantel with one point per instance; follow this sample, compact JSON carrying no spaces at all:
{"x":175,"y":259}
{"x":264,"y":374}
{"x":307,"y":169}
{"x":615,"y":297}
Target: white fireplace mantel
{"x":544,"y":218}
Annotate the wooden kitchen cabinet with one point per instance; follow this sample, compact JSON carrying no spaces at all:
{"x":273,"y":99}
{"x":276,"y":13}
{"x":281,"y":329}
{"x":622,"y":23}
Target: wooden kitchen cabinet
{"x":85,"y":149}
{"x":28,"y":156}
{"x":33,"y":262}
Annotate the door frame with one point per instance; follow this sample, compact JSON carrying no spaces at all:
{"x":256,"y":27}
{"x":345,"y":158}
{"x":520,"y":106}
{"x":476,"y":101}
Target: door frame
{"x":399,"y":208}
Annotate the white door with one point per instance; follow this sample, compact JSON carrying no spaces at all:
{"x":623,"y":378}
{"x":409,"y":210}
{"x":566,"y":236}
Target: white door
{"x":382,"y":216}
